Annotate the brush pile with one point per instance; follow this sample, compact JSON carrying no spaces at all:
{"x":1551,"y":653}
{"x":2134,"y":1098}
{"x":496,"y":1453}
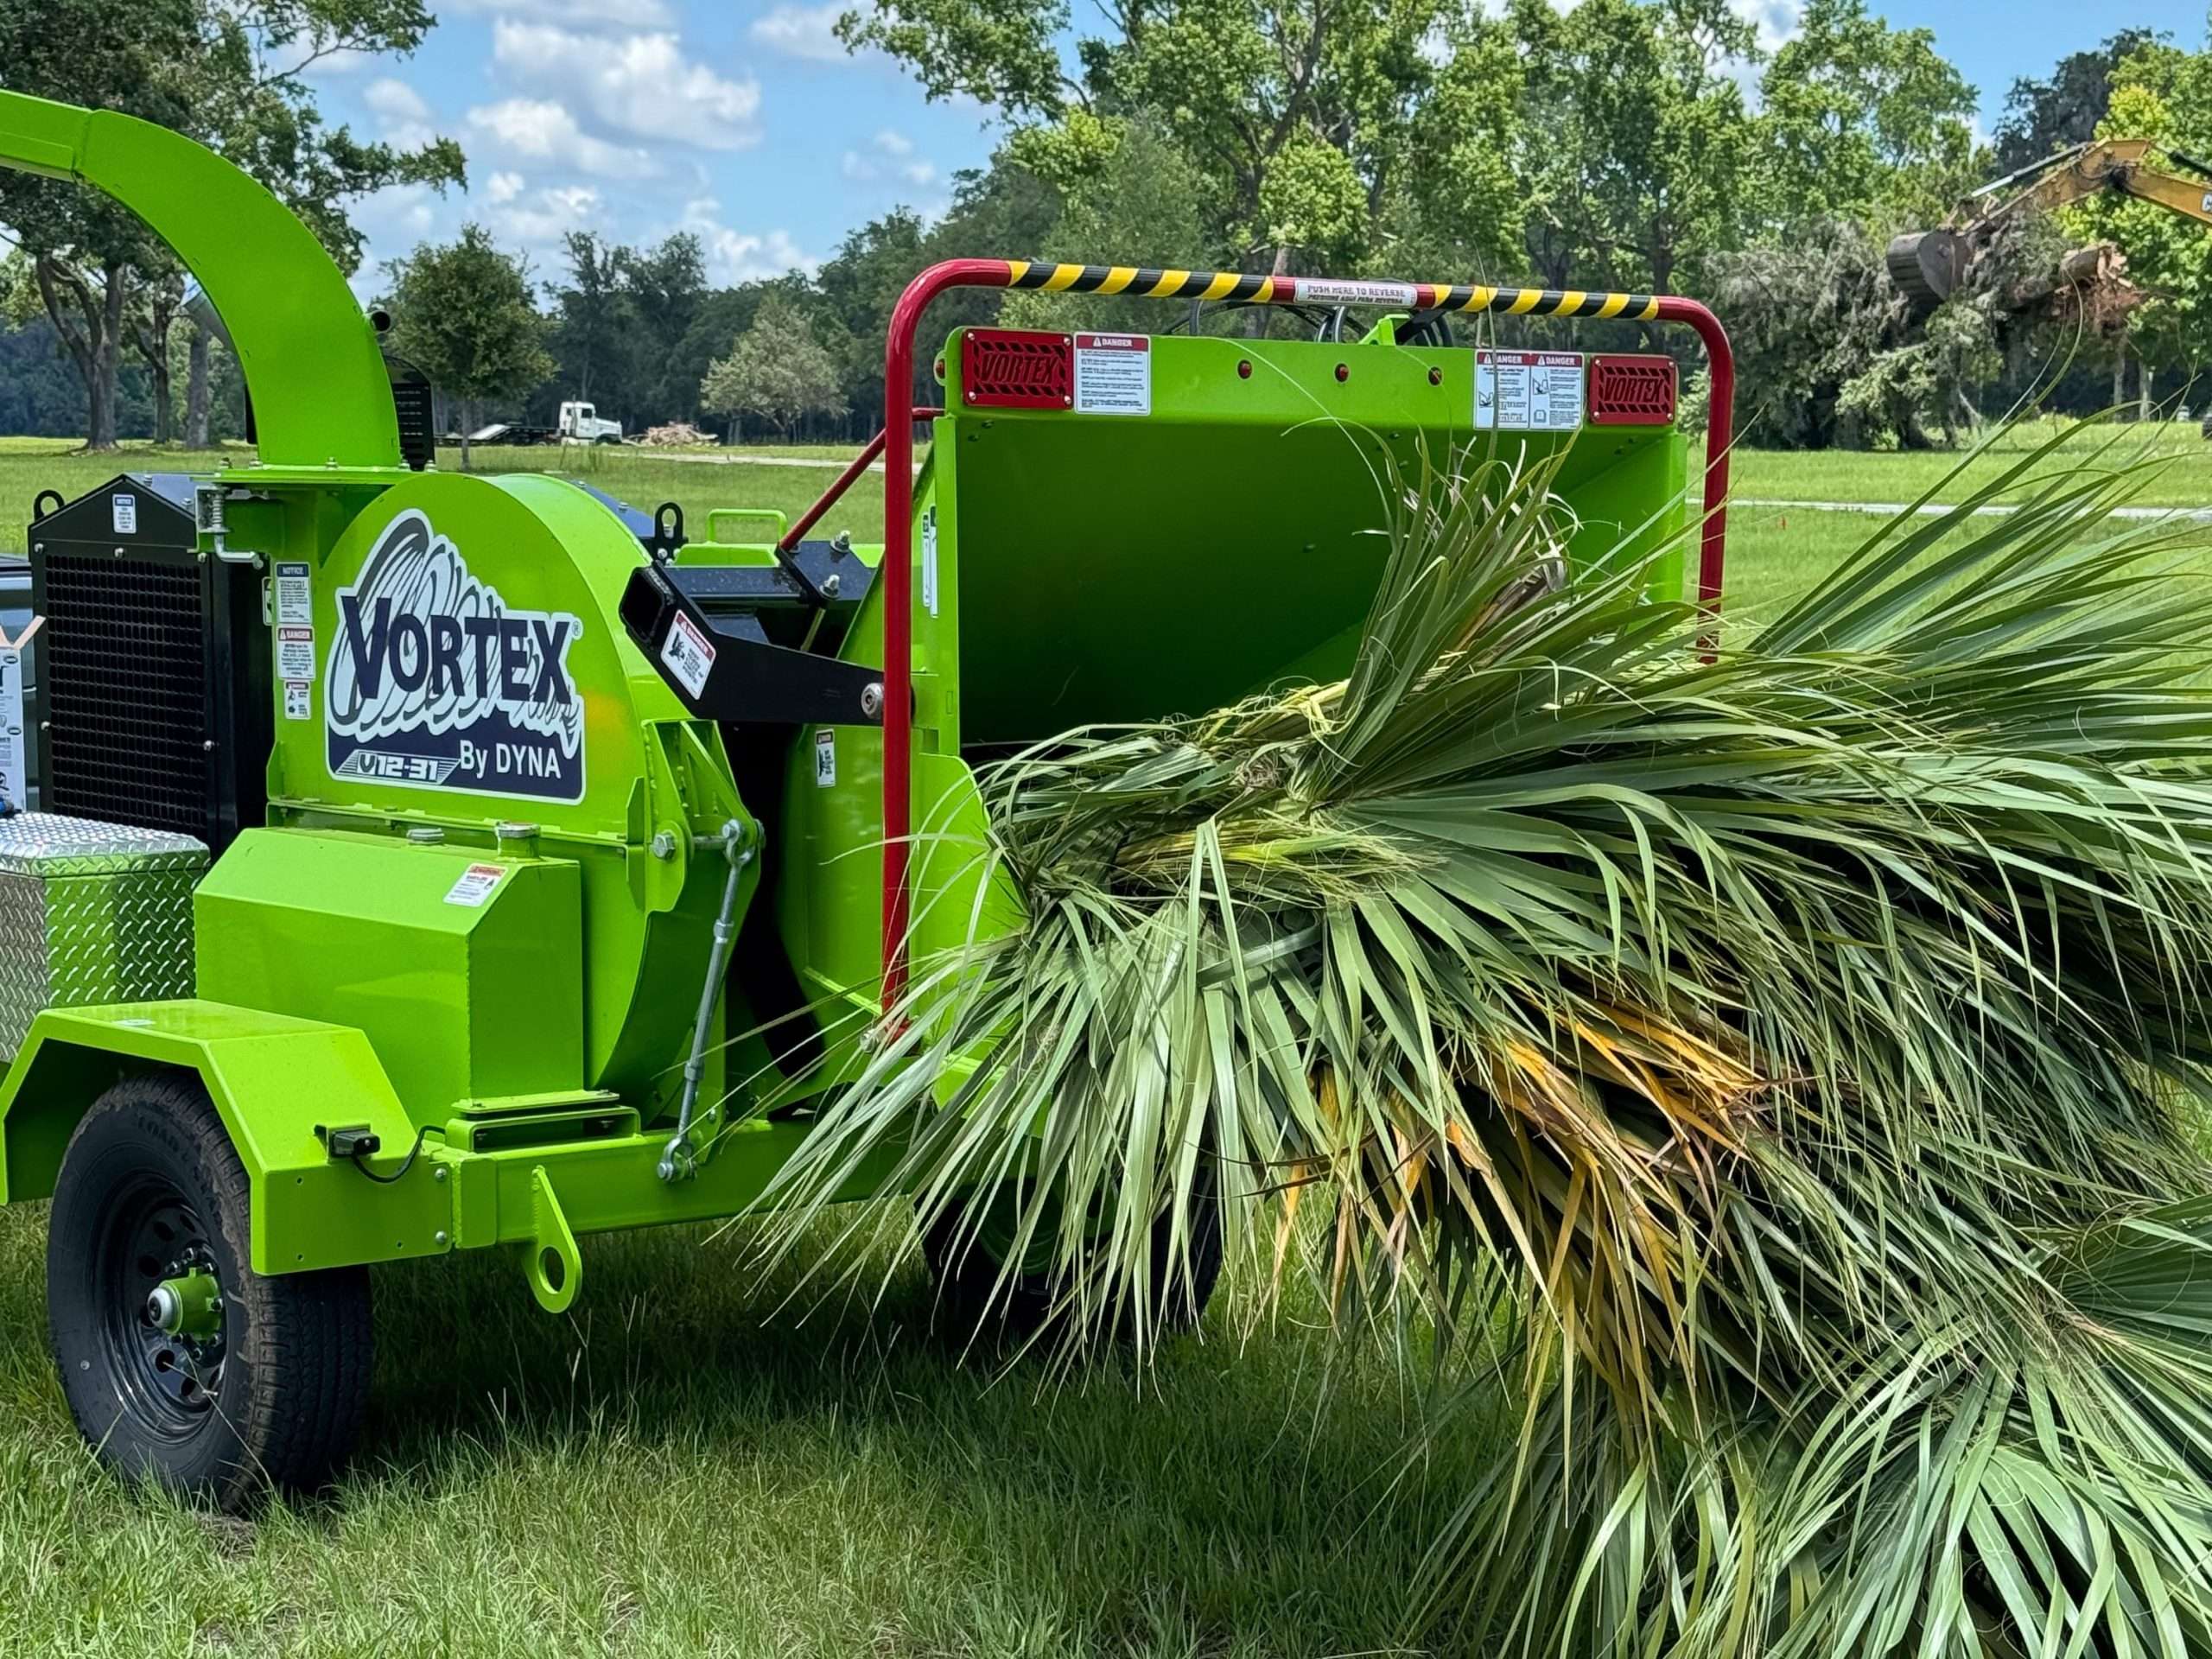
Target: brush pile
{"x":1783,"y":1067}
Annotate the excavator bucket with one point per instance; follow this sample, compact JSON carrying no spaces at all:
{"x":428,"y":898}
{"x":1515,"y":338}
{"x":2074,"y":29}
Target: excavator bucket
{"x":1927,"y":267}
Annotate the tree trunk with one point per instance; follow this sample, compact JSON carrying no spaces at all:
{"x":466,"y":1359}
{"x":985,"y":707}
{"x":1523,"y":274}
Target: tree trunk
{"x":2118,"y":372}
{"x":198,"y":395}
{"x":164,"y":416}
{"x":1262,"y":315}
{"x":107,"y":356}
{"x":69,"y":307}
{"x":2143,"y":372}
{"x":467,"y":425}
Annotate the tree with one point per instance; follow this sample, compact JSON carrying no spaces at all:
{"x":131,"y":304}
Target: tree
{"x":227,"y":74}
{"x":461,"y":313}
{"x":1862,"y":119}
{"x":2043,"y":116}
{"x":592,"y":323}
{"x":1636,"y":144}
{"x":2164,"y":95}
{"x":776,"y":369}
{"x":154,"y":311}
{"x":1141,"y":203}
{"x":662,"y":287}
{"x":1300,"y":119}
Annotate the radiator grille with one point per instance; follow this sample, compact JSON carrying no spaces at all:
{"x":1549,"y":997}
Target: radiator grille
{"x":418,"y":435}
{"x":1012,"y":368}
{"x":126,"y":693}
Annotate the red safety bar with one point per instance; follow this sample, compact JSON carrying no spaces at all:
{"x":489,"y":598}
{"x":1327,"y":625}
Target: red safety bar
{"x":897,"y":443}
{"x":829,"y":497}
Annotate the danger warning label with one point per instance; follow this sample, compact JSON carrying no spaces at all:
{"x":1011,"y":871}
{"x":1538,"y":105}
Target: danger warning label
{"x":1539,"y":391}
{"x":1113,"y":374}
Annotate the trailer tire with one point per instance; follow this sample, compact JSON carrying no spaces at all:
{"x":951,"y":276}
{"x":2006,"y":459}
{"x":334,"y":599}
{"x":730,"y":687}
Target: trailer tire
{"x":267,"y":1391}
{"x":976,"y":1298}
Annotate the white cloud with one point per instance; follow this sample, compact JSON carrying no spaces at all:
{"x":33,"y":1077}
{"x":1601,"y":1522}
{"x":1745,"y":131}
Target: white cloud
{"x":397,"y":213}
{"x":891,"y":157}
{"x":803,"y":32}
{"x":402,"y":116}
{"x":548,"y":213}
{"x":337,"y":63}
{"x":599,"y":14}
{"x":639,"y":85}
{"x":739,"y":256}
{"x":1776,"y":20}
{"x":503,"y":187}
{"x":537,"y":130}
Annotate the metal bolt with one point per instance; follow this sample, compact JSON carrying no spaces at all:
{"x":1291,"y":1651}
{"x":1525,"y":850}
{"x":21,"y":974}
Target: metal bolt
{"x":439,"y":1239}
{"x":438,"y":1173}
{"x":662,"y":846}
{"x":830,"y":584}
{"x":510,"y":829}
{"x":208,"y":745}
{"x":872,"y":699}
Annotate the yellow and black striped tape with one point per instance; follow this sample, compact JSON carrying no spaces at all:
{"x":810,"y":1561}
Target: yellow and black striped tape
{"x":1168,"y":284}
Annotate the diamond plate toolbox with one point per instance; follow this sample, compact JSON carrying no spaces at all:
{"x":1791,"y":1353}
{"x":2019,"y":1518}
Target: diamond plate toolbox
{"x":90,"y":912}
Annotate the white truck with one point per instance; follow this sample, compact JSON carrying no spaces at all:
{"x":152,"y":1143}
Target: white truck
{"x":576,"y":423}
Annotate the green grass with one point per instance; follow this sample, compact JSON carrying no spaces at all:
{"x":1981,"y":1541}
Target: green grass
{"x":1851,"y":476}
{"x":692,"y":1465}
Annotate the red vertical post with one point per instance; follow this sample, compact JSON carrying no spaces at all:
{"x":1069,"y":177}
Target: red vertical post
{"x":1720,"y":436}
{"x":897,"y":576}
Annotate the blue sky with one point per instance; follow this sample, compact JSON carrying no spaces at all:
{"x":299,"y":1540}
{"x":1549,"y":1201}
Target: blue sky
{"x":749,"y":124}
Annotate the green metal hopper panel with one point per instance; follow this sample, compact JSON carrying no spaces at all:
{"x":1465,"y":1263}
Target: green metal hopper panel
{"x":1118,"y":566}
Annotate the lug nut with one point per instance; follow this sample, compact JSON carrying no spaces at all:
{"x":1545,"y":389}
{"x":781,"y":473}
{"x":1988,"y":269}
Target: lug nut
{"x":872,"y":699}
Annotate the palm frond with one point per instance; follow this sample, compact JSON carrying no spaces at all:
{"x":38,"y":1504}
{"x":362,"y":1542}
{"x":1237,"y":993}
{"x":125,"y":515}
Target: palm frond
{"x":1807,"y":1030}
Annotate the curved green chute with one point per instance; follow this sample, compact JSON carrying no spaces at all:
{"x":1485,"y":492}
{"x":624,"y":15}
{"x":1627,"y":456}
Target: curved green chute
{"x":320,"y":394}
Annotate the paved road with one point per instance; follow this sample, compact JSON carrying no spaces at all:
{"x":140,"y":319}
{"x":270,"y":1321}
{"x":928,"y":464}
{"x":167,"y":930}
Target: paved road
{"x":1891,"y":509}
{"x":825,"y":462}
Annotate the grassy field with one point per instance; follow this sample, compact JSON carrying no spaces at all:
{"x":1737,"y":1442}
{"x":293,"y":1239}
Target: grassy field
{"x":1775,"y":546}
{"x":687,"y":1465}
{"x":693,"y":1463}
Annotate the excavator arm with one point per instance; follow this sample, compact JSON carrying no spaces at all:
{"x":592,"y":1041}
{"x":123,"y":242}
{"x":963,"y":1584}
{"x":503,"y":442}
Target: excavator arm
{"x":2120,"y":164}
{"x":1929,"y":266}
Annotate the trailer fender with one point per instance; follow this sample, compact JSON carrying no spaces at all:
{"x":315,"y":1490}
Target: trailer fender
{"x":274,"y":1079}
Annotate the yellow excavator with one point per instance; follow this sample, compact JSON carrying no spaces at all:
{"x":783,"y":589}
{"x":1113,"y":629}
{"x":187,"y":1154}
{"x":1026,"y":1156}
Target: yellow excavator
{"x":1929,"y":266}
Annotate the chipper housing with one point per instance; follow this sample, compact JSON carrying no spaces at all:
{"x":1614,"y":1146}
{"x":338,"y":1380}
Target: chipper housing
{"x":577,"y":860}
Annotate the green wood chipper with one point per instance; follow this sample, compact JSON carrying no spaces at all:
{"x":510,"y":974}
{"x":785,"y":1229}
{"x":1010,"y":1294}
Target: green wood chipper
{"x":432,"y":862}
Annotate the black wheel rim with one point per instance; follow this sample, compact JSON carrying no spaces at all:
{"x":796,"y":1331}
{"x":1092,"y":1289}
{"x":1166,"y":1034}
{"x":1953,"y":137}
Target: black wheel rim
{"x":169,"y":1383}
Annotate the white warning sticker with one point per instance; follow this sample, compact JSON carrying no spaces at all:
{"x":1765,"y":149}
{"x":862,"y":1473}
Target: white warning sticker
{"x":296,"y":653}
{"x":295,"y":594}
{"x":13,"y":780}
{"x":825,"y":757}
{"x":124,"y":511}
{"x":475,"y":885}
{"x":1113,"y":374}
{"x":929,"y":560}
{"x":299,"y":699}
{"x":1528,"y":391}
{"x":688,"y":654}
{"x":1337,"y":290}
